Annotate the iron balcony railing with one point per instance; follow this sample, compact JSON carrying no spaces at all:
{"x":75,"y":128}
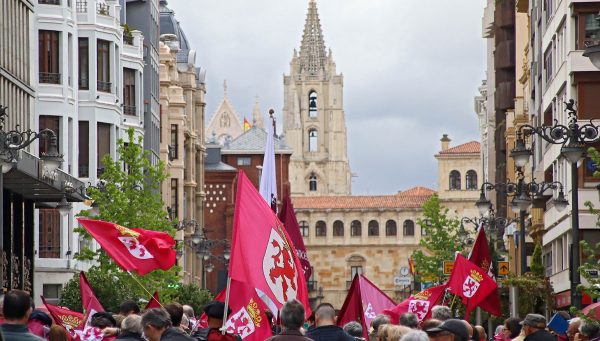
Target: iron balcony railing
{"x":48,"y":77}
{"x":103,"y":86}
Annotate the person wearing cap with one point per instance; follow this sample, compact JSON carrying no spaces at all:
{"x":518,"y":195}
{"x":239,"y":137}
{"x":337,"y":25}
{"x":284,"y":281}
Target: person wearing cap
{"x":449,"y":330}
{"x":534,"y":328}
{"x":215,"y":311}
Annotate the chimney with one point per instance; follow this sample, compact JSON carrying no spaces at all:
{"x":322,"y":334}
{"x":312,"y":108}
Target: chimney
{"x":445,"y":142}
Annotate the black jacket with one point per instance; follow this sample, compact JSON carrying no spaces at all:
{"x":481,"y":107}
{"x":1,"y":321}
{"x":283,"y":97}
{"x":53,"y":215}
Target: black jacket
{"x":329,"y":333}
{"x":18,"y":332}
{"x":175,"y":334}
{"x":128,"y":336}
{"x":540,"y":335}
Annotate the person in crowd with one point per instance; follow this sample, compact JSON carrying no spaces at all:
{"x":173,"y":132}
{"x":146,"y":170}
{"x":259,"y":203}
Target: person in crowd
{"x":214,"y":312}
{"x":16,"y":310}
{"x":39,"y":323}
{"x":409,"y":320}
{"x":157,"y":326}
{"x":382,"y":332}
{"x":310,"y":321}
{"x":188,"y":310}
{"x":354,"y":329}
{"x":175,"y":310}
{"x":103,"y":320}
{"x":481,"y":334}
{"x":415,"y":335}
{"x":430,"y":323}
{"x":512,"y":328}
{"x":292,"y":319}
{"x":573,"y":329}
{"x":58,"y":333}
{"x":441,"y":312}
{"x":379,"y":320}
{"x":129,"y":307}
{"x":469,"y":329}
{"x":185,"y":324}
{"x":131,"y":328}
{"x":274,"y":327}
{"x":449,"y":330}
{"x":499,"y":334}
{"x":394,"y":333}
{"x":534,"y":327}
{"x":590,"y":330}
{"x":326,"y":329}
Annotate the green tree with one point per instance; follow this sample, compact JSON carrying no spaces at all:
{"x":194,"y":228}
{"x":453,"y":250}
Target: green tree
{"x":537,"y":267}
{"x":192,"y":295}
{"x":129,"y":195}
{"x":443,"y":236}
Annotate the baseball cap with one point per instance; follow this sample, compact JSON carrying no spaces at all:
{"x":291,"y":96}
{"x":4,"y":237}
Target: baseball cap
{"x":454,"y":326}
{"x":216,"y":309}
{"x":534,"y":320}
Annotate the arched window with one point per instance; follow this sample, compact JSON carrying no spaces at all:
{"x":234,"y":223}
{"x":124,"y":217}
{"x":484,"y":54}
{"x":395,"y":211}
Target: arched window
{"x":312,"y":182}
{"x":312,"y":104}
{"x":321,"y":229}
{"x":390,"y":228}
{"x":303,"y":228}
{"x":373,"y":228}
{"x":338,"y":228}
{"x":313,"y":140}
{"x":455,"y":179}
{"x":409,"y":228}
{"x":355,"y":228}
{"x":471,"y":179}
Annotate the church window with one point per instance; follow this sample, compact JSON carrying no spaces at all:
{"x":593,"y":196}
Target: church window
{"x":312,"y":140}
{"x":338,"y":228}
{"x":409,"y":228}
{"x":355,"y":228}
{"x":471,"y":179}
{"x":356,"y":271}
{"x":303,"y":228}
{"x":312,"y":182}
{"x":321,"y":229}
{"x":455,"y":179}
{"x":390,"y":228}
{"x":312,"y":104}
{"x":373,"y":228}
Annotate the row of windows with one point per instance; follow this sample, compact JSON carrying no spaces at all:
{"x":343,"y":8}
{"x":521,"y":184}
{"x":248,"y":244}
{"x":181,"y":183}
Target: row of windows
{"x":408,"y":228}
{"x":470,"y":180}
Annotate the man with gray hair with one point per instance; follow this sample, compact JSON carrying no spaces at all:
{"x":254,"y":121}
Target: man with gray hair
{"x":379,"y":320}
{"x":157,"y":326}
{"x":590,"y":330}
{"x":354,"y":328}
{"x":292,"y":318}
{"x":415,"y":335}
{"x":441,"y":312}
{"x":131,"y":329}
{"x":326,"y":329}
{"x":409,"y":320}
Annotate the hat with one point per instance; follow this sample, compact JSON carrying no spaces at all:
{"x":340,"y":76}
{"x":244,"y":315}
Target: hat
{"x":216,"y":309}
{"x":454,"y":326}
{"x":534,"y":320}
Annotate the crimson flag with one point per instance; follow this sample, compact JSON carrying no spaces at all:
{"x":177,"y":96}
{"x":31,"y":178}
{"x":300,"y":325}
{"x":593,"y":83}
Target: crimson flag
{"x":262,"y":254}
{"x":419,"y":304}
{"x":363,"y":303}
{"x":480,"y":256}
{"x":90,"y":302}
{"x":247,"y":318}
{"x":154,"y":302}
{"x":288,"y":218}
{"x":133,"y":249}
{"x":69,"y":319}
{"x":470,"y":282}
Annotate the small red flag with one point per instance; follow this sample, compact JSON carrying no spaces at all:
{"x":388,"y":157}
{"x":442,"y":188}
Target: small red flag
{"x":419,"y":304}
{"x":470,"y":282}
{"x":288,"y":218}
{"x":262,"y":254}
{"x":70,"y":320}
{"x":90,"y":302}
{"x":363,"y":303}
{"x":133,"y":249}
{"x":154,"y":302}
{"x":480,"y":256}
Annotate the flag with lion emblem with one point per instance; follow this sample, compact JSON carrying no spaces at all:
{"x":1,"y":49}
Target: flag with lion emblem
{"x":470,"y":282}
{"x":419,"y":304}
{"x":262,"y":254}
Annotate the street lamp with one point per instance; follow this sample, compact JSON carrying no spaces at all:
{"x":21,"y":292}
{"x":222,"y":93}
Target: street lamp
{"x":573,"y":138}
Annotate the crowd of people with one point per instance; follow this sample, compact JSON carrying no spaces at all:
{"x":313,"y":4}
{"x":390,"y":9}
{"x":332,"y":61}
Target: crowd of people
{"x":176,"y":322}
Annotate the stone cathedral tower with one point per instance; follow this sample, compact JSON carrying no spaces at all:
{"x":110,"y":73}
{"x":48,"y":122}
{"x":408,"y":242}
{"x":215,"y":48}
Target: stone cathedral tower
{"x":313,"y":117}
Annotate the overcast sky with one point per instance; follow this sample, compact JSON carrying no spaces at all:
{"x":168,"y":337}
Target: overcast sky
{"x":411,"y":70}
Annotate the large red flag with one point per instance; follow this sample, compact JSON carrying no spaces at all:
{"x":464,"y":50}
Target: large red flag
{"x":363,"y":303}
{"x":154,"y":302}
{"x":262,"y":254}
{"x":480,"y":256}
{"x":288,"y":218}
{"x":470,"y":282}
{"x":69,"y":319}
{"x":133,"y":249}
{"x":419,"y":304}
{"x":90,"y":302}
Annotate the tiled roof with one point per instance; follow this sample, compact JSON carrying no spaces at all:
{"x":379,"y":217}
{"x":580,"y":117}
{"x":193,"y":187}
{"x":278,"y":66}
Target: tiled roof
{"x":254,"y":140}
{"x":412,"y":198}
{"x":465,"y":148}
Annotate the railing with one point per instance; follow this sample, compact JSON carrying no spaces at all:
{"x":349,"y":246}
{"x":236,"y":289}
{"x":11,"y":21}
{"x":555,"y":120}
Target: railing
{"x":103,"y":86}
{"x":81,"y":6}
{"x":84,"y":171}
{"x":47,"y":77}
{"x":84,"y":83}
{"x":49,"y":2}
{"x":128,"y":39}
{"x":129,"y":110}
{"x":102,"y":9}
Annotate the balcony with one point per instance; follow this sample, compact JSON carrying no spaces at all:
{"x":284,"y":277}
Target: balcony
{"x":129,"y":110}
{"x":49,"y":251}
{"x":102,"y":9}
{"x":103,"y":86}
{"x":84,"y":83}
{"x":84,"y":171}
{"x":48,"y":77}
{"x":81,"y":6}
{"x":128,"y":38}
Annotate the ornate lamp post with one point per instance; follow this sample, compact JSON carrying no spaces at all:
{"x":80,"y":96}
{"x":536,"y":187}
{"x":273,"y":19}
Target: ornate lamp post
{"x":489,"y":222}
{"x":573,"y":138}
{"x":203,"y":247}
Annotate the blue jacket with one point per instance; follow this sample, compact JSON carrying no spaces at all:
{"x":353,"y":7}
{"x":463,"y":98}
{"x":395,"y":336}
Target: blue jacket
{"x":329,"y":333}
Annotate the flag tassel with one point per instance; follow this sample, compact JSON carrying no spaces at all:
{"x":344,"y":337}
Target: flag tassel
{"x":143,"y":287}
{"x":223,"y":329}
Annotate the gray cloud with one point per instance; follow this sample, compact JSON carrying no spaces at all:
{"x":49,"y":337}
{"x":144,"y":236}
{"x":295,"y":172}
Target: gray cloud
{"x":411,"y":69}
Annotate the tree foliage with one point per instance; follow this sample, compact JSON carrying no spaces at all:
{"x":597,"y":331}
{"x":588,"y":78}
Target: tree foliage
{"x":537,"y":267}
{"x":441,"y":239}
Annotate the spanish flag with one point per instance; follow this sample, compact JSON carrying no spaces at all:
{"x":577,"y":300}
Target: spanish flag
{"x":411,"y":266}
{"x":247,"y":125}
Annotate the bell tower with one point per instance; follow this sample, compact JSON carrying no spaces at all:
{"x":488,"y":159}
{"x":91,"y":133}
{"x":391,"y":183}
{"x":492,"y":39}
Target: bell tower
{"x":313,"y":117}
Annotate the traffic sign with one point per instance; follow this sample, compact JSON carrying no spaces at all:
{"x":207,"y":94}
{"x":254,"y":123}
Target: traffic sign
{"x":448,"y":267}
{"x":503,"y":268}
{"x":402,"y":280}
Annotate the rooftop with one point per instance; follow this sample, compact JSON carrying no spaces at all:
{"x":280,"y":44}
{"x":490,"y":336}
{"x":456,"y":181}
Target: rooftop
{"x":253,"y":141}
{"x":472,"y":147}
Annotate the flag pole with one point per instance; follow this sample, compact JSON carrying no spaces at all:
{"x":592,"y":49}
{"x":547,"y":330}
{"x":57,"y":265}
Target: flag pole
{"x":143,"y":287}
{"x":223,"y":329}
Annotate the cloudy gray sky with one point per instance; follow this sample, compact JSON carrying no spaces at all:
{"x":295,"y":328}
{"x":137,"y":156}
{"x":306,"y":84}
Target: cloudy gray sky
{"x":411,"y":70}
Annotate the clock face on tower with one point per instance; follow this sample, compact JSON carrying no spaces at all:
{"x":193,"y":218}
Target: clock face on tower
{"x":404,"y":271}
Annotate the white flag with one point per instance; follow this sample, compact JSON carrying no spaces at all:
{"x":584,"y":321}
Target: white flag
{"x":268,"y":178}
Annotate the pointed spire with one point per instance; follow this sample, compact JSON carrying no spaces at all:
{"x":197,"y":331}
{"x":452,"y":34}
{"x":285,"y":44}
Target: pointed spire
{"x":225,"y":88}
{"x":312,"y":49}
{"x":257,"y":117}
